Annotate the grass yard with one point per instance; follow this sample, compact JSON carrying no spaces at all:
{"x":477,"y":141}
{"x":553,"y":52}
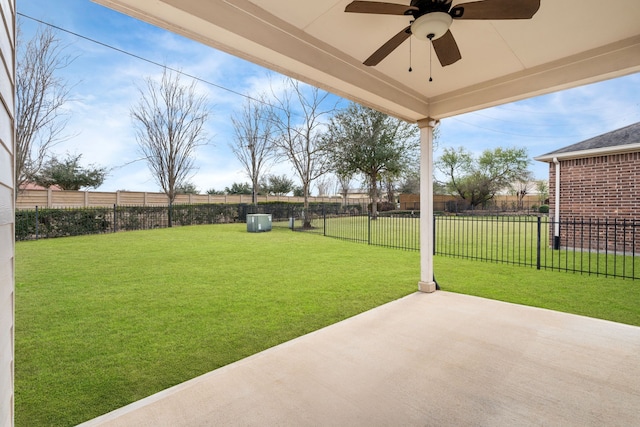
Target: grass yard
{"x":102,"y":321}
{"x":606,"y":298}
{"x":105,"y":320}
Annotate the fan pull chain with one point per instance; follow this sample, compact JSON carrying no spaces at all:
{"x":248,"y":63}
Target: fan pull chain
{"x":410,"y":69}
{"x":430,"y":36}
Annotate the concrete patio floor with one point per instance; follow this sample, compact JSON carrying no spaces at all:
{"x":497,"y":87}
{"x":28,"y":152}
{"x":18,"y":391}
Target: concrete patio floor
{"x":439,"y":359}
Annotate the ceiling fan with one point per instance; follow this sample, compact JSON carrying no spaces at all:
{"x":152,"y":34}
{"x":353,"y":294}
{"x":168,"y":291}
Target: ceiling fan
{"x":431,"y":20}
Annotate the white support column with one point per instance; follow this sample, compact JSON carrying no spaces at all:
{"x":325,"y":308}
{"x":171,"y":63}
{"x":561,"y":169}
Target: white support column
{"x":426,"y":283}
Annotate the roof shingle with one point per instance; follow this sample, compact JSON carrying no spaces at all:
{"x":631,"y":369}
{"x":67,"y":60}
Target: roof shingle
{"x":625,"y":136}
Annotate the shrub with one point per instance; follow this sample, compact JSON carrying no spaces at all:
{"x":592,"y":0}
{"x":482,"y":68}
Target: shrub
{"x":383,"y":206}
{"x":62,"y":222}
{"x":544,"y":209}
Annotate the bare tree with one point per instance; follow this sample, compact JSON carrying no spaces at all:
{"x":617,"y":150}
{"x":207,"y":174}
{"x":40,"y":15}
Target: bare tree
{"x":542,"y":187}
{"x":324,"y":185}
{"x":344,"y":185}
{"x":298,"y":120}
{"x":253,"y":140}
{"x":169,"y":121}
{"x":40,"y":97}
{"x":389,"y":184}
{"x":521,"y":187}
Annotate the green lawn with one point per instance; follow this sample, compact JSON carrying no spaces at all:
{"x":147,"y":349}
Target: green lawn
{"x":102,"y":321}
{"x":607,"y":298}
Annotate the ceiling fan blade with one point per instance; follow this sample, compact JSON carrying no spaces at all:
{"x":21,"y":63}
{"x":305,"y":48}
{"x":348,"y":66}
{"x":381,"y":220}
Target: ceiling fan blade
{"x":380,"y":8}
{"x":496,"y":9}
{"x":388,"y":47}
{"x":447,"y":49}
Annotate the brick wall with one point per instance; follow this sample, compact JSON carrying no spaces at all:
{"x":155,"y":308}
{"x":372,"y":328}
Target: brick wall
{"x":605,"y":187}
{"x":596,"y":191}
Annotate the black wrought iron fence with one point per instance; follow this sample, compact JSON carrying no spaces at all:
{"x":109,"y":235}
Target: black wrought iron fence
{"x":42,"y":223}
{"x":608,"y":248}
{"x":33,"y":224}
{"x":394,"y":229}
{"x":601,"y":247}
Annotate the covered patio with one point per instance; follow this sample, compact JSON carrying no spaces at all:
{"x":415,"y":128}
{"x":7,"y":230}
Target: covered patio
{"x":438,"y":359}
{"x":430,"y":358}
{"x":487,"y":58}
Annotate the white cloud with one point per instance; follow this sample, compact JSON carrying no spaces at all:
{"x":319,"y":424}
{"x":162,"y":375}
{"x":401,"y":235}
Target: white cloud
{"x":547,"y":123}
{"x":108,"y":81}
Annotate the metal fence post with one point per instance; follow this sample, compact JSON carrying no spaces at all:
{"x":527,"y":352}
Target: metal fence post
{"x":324,"y":220}
{"x":369,"y":228}
{"x":434,"y":234}
{"x":115,"y":218}
{"x":37,"y":226}
{"x":539,"y":243}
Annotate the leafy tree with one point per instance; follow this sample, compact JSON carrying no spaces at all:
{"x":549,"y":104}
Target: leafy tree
{"x":439,"y":187}
{"x":410,"y":183}
{"x":298,"y":117}
{"x":253,"y":140}
{"x":239,"y":188}
{"x":478,"y":180}
{"x":365,"y":141}
{"x":278,"y":185}
{"x":298,"y":191}
{"x":214,"y":192}
{"x":187,"y":188}
{"x":40,"y":97}
{"x":169,"y":121}
{"x":69,"y":175}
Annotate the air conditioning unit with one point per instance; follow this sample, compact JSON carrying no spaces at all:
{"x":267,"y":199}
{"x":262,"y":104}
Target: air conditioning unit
{"x":258,"y":222}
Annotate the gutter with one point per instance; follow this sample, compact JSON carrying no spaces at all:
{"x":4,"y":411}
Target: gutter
{"x":592,"y":152}
{"x":556,"y":212}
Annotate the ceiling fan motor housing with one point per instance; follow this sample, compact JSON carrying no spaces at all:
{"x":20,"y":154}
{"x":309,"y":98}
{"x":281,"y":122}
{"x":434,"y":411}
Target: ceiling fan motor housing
{"x":426,"y":6}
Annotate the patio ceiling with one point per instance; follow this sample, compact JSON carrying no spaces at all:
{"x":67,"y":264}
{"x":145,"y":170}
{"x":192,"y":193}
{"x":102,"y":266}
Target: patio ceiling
{"x":567,"y":43}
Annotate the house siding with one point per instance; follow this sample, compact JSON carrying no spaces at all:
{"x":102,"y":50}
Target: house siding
{"x":7,"y":209}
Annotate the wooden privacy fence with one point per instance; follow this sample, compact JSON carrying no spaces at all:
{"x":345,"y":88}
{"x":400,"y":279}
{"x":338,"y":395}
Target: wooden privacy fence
{"x":449,"y":203}
{"x":29,"y":199}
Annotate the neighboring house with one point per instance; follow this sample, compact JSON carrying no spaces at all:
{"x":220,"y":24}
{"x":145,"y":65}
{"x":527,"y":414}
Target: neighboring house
{"x":34,"y":186}
{"x":357,"y":193}
{"x":598,"y":181}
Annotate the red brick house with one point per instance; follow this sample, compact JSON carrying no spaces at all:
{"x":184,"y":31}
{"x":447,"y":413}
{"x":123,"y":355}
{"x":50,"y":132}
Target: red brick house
{"x":597,"y":181}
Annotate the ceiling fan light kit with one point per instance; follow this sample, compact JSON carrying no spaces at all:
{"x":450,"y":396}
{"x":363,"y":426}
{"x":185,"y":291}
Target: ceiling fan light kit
{"x":431,"y":20}
{"x":431,"y":26}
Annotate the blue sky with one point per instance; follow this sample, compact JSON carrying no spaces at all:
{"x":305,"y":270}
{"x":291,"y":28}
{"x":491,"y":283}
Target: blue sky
{"x":105,"y":87}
